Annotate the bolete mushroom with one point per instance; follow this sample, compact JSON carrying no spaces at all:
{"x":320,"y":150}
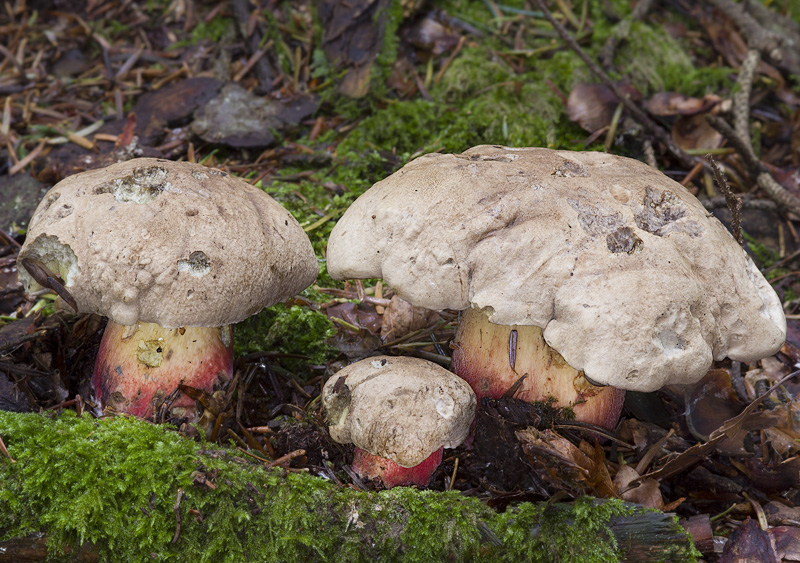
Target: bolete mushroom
{"x":563,"y":264}
{"x":399,"y":413}
{"x":173,"y":253}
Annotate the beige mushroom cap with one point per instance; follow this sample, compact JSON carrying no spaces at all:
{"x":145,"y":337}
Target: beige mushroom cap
{"x":172,"y":243}
{"x":629,"y":277}
{"x":402,"y":409}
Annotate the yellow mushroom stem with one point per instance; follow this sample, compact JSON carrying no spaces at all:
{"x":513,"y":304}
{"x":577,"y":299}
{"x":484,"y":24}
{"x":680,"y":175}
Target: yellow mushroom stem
{"x":492,"y":357}
{"x":139,"y":366}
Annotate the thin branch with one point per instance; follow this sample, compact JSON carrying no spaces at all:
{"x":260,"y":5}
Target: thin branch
{"x":786,"y":201}
{"x":741,"y":99}
{"x":734,"y":203}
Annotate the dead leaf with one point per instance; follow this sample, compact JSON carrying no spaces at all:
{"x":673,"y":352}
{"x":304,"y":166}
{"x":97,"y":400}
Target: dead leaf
{"x":778,"y":514}
{"x":749,"y":544}
{"x":730,"y":429}
{"x":562,"y":465}
{"x":774,"y":477}
{"x":352,"y":37}
{"x":646,"y":493}
{"x":673,"y":103}
{"x":710,"y":402}
{"x":429,"y":36}
{"x":401,"y":318}
{"x":361,"y":315}
{"x":592,"y":105}
{"x":787,"y":542}
{"x":694,"y":133}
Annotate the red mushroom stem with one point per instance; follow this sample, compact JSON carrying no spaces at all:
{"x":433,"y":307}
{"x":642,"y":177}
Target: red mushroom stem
{"x":492,"y":357}
{"x":139,"y":366}
{"x":370,"y":466}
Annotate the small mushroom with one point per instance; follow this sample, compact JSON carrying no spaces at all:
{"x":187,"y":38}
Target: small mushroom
{"x":399,"y":413}
{"x":173,"y":253}
{"x":571,"y":269}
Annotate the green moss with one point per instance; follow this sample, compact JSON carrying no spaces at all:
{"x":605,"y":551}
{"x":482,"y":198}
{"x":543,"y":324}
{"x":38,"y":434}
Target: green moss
{"x":480,"y":101}
{"x":582,"y":533}
{"x":290,"y":330}
{"x":656,"y":62}
{"x":763,"y":255}
{"x":115,"y":483}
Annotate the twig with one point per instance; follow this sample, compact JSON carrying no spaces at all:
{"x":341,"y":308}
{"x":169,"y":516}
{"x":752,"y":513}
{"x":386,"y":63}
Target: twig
{"x":637,"y":112}
{"x":177,"y":510}
{"x":4,"y":450}
{"x":733,"y":202}
{"x":453,"y":476}
{"x":19,"y":166}
{"x":741,"y":99}
{"x":787,"y":202}
{"x":285,"y":458}
{"x":747,"y":203}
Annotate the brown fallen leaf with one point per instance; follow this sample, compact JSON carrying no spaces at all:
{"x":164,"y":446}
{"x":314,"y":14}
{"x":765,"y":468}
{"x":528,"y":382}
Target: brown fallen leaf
{"x":592,"y":105}
{"x":673,"y":103}
{"x":773,"y":477}
{"x":401,"y":318}
{"x":710,"y":402}
{"x":563,"y":466}
{"x":787,"y":542}
{"x":646,"y":492}
{"x":750,"y":544}
{"x":730,"y":429}
{"x":361,"y":315}
{"x":429,"y":36}
{"x":778,"y":514}
{"x":694,"y":133}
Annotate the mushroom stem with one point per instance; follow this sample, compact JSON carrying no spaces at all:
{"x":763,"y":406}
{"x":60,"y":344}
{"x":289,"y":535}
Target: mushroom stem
{"x":139,"y":366}
{"x":370,"y":466}
{"x":492,"y":357}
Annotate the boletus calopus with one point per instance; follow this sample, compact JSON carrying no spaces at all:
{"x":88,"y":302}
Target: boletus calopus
{"x":575,"y":269}
{"x":399,"y":413}
{"x":173,"y":253}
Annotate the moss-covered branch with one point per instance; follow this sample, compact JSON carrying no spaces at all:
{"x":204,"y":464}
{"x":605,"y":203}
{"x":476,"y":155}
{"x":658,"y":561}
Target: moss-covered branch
{"x":130,"y":491}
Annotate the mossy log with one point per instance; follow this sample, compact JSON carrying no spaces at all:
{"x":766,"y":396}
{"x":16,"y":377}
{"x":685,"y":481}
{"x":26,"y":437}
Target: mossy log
{"x":124,"y":490}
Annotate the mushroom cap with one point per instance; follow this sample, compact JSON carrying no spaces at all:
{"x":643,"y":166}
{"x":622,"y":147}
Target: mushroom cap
{"x":402,"y":409}
{"x":631,"y":280}
{"x":172,"y":243}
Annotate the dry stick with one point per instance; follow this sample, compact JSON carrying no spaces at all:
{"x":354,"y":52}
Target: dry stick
{"x":640,"y":116}
{"x":177,"y":510}
{"x":733,"y":202}
{"x":740,"y":136}
{"x":741,"y":99}
{"x":787,"y":202}
{"x":4,"y":451}
{"x":748,"y":202}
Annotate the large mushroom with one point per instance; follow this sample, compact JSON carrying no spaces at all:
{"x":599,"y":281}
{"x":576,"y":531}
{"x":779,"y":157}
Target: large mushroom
{"x":173,"y":253}
{"x":563,"y":264}
{"x":399,"y":413}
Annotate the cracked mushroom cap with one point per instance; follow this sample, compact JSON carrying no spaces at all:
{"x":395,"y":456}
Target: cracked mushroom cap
{"x":628,"y":275}
{"x":172,"y":243}
{"x":402,"y":409}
